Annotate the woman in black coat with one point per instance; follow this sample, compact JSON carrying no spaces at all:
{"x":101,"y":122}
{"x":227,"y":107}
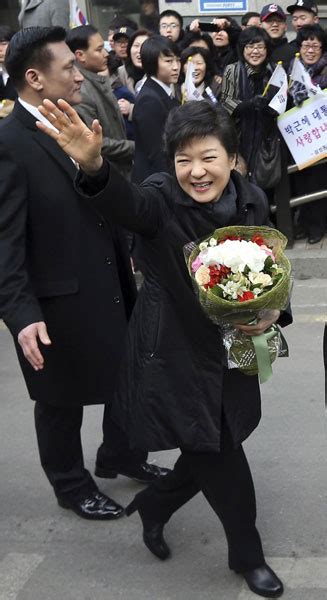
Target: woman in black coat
{"x":174,"y":389}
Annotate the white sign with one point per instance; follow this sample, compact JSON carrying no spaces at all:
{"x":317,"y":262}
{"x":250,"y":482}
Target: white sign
{"x":304,"y":130}
{"x":219,"y":7}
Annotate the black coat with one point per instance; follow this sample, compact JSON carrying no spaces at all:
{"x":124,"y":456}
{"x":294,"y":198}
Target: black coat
{"x":150,"y":112}
{"x":7,"y":92}
{"x":60,"y":262}
{"x":172,"y":382}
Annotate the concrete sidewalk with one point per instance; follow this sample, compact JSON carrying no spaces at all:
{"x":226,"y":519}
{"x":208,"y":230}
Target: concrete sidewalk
{"x":309,"y":261}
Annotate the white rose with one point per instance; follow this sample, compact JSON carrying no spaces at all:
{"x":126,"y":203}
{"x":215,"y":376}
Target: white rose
{"x":260,"y":279}
{"x":202,"y":275}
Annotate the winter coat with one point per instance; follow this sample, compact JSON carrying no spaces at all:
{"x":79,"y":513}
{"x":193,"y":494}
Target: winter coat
{"x":44,"y":13}
{"x":99,"y":102}
{"x":172,"y":384}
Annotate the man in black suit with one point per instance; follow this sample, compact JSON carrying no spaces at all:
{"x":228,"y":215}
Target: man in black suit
{"x":66,"y":287}
{"x":161,"y":63}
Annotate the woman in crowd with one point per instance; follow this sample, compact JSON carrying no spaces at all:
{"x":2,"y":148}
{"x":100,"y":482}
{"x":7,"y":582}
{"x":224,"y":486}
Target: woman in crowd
{"x":198,"y":39}
{"x":173,"y":388}
{"x":311,"y":218}
{"x":203,"y":71}
{"x":242,"y":95}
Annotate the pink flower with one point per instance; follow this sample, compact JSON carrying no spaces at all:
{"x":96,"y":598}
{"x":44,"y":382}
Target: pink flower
{"x":196,"y":264}
{"x":267,"y":251}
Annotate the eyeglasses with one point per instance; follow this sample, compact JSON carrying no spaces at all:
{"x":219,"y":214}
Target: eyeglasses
{"x":165,"y":26}
{"x":308,"y":46}
{"x":250,"y":47}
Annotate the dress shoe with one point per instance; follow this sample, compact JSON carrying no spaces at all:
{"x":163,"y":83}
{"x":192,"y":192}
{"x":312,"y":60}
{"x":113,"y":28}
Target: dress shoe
{"x":315,"y":238}
{"x":142,"y":472}
{"x":152,"y":532}
{"x":264,"y":582}
{"x":97,"y":506}
{"x":300,"y":234}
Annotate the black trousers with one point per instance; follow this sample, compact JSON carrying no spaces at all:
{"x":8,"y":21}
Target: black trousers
{"x":225,"y":480}
{"x":58,"y":431}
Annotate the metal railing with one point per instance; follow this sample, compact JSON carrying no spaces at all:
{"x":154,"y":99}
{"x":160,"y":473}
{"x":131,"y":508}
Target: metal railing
{"x":284,"y":203}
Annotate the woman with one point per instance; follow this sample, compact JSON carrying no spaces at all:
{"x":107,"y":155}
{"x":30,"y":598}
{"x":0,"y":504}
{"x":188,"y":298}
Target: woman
{"x":243,"y":86}
{"x":127,"y":79}
{"x":312,"y":218}
{"x":173,"y":388}
{"x":203,"y":71}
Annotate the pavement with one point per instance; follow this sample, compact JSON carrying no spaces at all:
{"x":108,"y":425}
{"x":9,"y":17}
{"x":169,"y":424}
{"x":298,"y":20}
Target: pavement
{"x":309,"y":260}
{"x":48,"y":553}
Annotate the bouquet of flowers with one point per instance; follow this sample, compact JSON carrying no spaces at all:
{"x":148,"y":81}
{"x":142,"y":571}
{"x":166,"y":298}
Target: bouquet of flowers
{"x":239,"y":272}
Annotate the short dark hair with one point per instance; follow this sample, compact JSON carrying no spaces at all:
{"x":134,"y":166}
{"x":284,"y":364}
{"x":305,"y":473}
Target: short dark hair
{"x":151,"y":50}
{"x":207,"y":57}
{"x":196,"y":120}
{"x":253,"y":35}
{"x":245,"y":18}
{"x":191,"y":37}
{"x":79,"y":37}
{"x":171,"y":13}
{"x":6,"y":33}
{"x":308,"y":32}
{"x":28,"y":49}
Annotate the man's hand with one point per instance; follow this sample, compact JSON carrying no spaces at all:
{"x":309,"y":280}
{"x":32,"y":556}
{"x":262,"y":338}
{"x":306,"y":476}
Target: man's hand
{"x":28,"y":340}
{"x":265,"y":319}
{"x":72,"y":135}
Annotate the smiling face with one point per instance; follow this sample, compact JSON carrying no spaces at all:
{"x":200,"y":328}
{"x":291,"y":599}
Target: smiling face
{"x":311,"y":51}
{"x":302,"y":17}
{"x":255,"y":53}
{"x":200,"y":68}
{"x":168,"y":69}
{"x":136,"y":49}
{"x":203,"y":169}
{"x":275,"y":26}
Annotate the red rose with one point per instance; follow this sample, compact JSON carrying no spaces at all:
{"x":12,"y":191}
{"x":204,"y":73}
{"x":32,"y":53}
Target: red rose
{"x":246,"y":296}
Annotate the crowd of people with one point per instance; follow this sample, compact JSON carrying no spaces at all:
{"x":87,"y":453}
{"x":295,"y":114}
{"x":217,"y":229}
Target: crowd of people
{"x":104,"y":156}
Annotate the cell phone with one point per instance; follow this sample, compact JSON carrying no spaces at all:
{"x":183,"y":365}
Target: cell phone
{"x":208,"y":26}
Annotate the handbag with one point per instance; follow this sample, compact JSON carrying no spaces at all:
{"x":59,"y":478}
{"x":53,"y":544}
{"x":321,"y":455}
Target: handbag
{"x":268,"y":165}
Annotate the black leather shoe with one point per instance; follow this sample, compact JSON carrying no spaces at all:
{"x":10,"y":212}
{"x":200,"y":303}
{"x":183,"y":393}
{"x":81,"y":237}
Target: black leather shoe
{"x":97,"y":507}
{"x":264,"y":582}
{"x":152,"y":532}
{"x":315,"y":238}
{"x":143,"y":472}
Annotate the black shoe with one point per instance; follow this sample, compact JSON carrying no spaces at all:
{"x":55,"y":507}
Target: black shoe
{"x":96,"y":506}
{"x":315,"y":238}
{"x":142,"y":472}
{"x":264,"y":582}
{"x":152,"y":532}
{"x":300,"y":234}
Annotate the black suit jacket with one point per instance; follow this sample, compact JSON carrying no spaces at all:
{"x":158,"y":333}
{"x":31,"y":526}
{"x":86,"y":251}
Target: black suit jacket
{"x":7,"y":92}
{"x":60,"y":262}
{"x":150,"y":112}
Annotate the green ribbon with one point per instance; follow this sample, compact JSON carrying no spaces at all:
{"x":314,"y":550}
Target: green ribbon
{"x":260,"y":343}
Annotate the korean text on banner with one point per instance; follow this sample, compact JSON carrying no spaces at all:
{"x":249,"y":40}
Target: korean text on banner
{"x":304,"y":130}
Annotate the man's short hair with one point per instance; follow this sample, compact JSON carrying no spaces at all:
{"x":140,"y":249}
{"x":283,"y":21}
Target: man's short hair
{"x":245,"y":18}
{"x":28,"y":49}
{"x":79,"y":37}
{"x":151,"y":50}
{"x":171,"y":13}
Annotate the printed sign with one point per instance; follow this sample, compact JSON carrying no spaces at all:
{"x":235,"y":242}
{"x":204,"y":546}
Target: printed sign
{"x":219,"y":7}
{"x":304,"y":130}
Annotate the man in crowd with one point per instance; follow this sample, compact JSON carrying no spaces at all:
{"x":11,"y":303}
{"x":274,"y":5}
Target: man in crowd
{"x":273,"y":20}
{"x":119,"y":42}
{"x":304,"y":12}
{"x":66,"y":287}
{"x":171,"y":25}
{"x":44,"y":13}
{"x":98,"y":100}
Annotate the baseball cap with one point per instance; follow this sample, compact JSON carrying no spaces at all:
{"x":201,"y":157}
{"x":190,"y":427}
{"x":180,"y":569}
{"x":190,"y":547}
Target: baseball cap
{"x":272,"y":9}
{"x":122,"y":32}
{"x":308,"y":5}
